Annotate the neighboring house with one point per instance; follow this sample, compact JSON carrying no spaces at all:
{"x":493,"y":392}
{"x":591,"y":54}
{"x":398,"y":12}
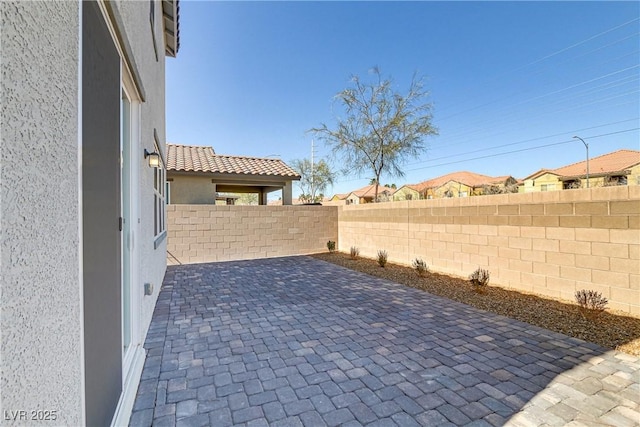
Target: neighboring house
{"x":82,"y":214}
{"x":196,"y":175}
{"x":335,"y":200}
{"x":620,"y":167}
{"x":456,"y":184}
{"x":542,"y":180}
{"x":339,"y":197}
{"x":407,"y":192}
{"x":366,"y":194}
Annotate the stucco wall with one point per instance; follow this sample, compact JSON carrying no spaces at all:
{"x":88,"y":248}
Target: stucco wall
{"x":552,"y":243}
{"x":194,"y":190}
{"x":548,"y":179}
{"x":207,"y":233}
{"x":634,"y":177}
{"x":41,"y":318}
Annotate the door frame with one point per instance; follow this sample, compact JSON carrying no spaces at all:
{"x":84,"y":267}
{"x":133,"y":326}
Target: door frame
{"x":133,"y":360}
{"x":134,"y":222}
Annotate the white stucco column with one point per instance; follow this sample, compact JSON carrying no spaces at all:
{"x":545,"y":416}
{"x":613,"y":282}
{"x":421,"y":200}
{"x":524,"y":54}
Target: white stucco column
{"x":287,"y":191}
{"x":215,"y":192}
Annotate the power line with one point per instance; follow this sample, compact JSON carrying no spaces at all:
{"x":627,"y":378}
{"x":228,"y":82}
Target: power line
{"x":566,"y":97}
{"x":470,"y":135}
{"x":596,"y":49}
{"x":528,"y":140}
{"x":545,"y":94}
{"x":498,"y":75}
{"x":583,"y":41}
{"x":524,"y":149}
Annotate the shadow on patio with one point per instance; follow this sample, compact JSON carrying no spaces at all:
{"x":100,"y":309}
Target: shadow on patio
{"x":297,"y":341}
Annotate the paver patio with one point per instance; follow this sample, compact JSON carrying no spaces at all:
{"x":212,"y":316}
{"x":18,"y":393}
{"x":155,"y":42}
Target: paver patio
{"x":297,"y":341}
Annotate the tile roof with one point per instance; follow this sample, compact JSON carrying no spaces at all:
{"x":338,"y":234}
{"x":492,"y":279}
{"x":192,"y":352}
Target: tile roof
{"x":203,"y":159}
{"x":370,"y":191}
{"x":615,"y":161}
{"x":538,"y":173}
{"x":470,"y":179}
{"x":611,"y":162}
{"x":413,"y":187}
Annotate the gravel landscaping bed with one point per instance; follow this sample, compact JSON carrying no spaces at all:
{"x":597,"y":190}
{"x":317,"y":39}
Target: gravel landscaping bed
{"x":612,"y":329}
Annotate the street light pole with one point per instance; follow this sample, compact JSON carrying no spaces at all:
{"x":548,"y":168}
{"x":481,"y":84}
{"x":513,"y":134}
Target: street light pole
{"x":587,"y":147}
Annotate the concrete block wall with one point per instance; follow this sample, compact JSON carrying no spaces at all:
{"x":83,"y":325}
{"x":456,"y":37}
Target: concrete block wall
{"x":208,"y":233}
{"x":550,"y":243}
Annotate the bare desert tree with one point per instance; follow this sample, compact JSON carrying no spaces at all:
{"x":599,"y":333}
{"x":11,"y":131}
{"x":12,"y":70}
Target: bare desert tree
{"x":381,"y":129}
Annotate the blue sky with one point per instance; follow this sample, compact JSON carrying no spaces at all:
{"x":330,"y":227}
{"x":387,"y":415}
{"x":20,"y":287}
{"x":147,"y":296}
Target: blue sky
{"x":251,"y":78}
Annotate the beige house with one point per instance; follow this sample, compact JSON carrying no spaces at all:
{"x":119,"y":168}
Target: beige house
{"x":363,"y":195}
{"x":620,"y":167}
{"x":338,"y":199}
{"x":197,"y":175}
{"x":407,"y":192}
{"x":456,"y":184}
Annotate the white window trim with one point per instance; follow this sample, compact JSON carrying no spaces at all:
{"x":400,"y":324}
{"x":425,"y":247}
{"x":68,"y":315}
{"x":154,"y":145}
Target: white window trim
{"x":159,"y":190}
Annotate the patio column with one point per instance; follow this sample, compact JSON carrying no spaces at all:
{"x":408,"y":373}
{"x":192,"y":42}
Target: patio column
{"x":262,"y":197}
{"x":287,"y":193}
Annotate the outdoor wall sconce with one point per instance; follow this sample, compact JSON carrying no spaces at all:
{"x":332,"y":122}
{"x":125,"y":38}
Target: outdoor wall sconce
{"x":154,"y":158}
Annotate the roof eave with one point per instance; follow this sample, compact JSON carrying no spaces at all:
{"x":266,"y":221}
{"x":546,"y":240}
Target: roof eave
{"x":171,"y":23}
{"x":594,"y":175}
{"x":232,"y":174}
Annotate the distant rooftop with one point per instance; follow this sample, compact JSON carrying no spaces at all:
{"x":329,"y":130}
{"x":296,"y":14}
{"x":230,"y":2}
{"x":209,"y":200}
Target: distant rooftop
{"x":470,"y":179}
{"x":617,"y":161}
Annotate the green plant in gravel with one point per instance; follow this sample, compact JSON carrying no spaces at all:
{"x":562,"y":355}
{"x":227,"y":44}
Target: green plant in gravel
{"x":420,"y":266}
{"x":590,"y":303}
{"x":479,"y":280}
{"x":355,"y":252}
{"x":331,"y":245}
{"x":382,"y":258}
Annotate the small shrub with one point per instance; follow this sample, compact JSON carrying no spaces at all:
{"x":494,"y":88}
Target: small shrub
{"x":420,"y":266}
{"x":331,"y":245}
{"x":382,"y":258}
{"x":479,"y":280}
{"x":591,"y":303}
{"x":355,"y":252}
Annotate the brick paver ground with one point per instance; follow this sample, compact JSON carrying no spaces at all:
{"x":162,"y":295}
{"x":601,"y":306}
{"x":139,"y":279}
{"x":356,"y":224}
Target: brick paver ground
{"x":300,"y":342}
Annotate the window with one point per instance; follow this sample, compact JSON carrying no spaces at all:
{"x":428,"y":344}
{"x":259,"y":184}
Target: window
{"x":614,"y":180}
{"x":463,"y":194}
{"x":167,"y":192}
{"x":159,"y":200}
{"x":571,"y":184}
